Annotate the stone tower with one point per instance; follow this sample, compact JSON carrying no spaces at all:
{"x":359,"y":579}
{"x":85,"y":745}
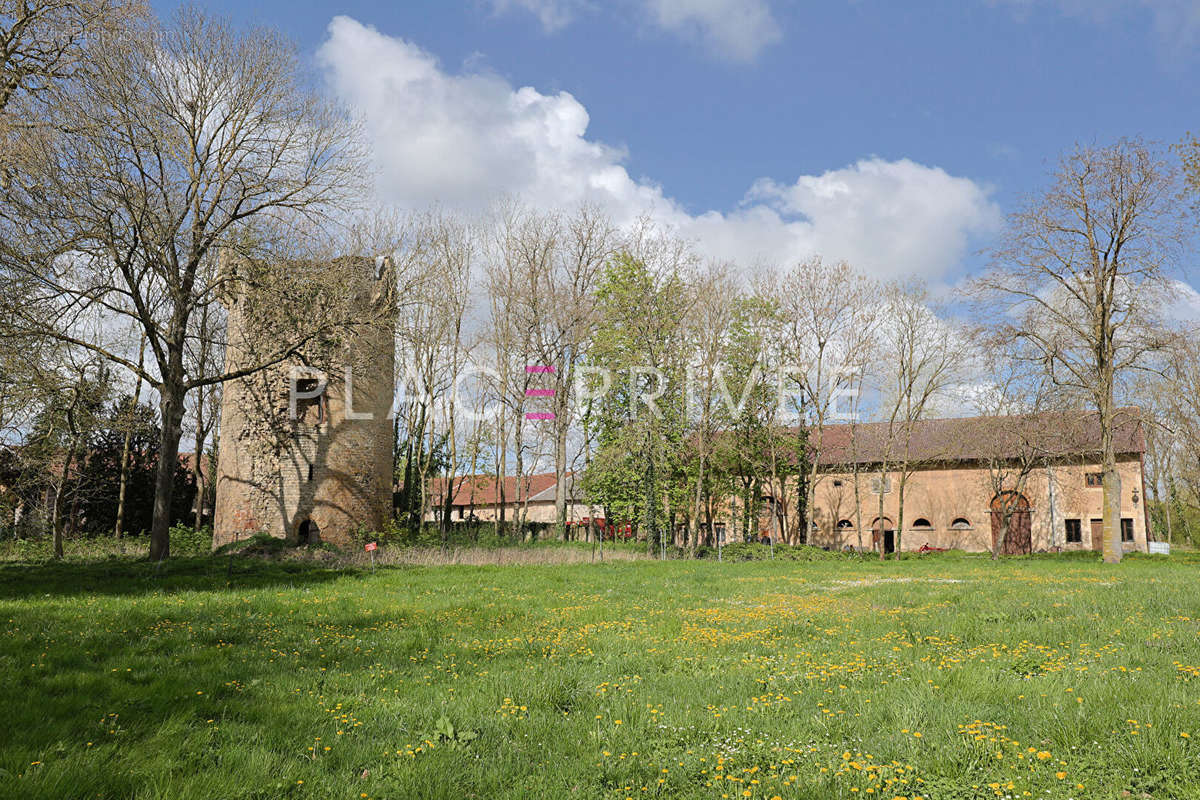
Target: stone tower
{"x":305,"y":451}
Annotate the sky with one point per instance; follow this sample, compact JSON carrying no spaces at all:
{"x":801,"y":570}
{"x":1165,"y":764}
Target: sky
{"x":894,"y":135}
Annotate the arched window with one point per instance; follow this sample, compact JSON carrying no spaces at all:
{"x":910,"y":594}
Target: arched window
{"x":922,"y":523}
{"x":845,"y":523}
{"x":960,"y":523}
{"x":309,"y":402}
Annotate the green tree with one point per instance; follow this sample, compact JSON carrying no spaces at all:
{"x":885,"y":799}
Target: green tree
{"x":750,"y":402}
{"x":638,"y":350}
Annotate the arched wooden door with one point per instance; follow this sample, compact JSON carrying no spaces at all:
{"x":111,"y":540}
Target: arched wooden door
{"x":1018,"y":538}
{"x":883,"y":533}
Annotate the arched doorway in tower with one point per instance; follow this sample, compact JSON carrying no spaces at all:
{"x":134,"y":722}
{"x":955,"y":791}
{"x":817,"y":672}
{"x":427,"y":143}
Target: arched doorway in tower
{"x":308,"y":533}
{"x":883,"y":533}
{"x":1015,"y":538}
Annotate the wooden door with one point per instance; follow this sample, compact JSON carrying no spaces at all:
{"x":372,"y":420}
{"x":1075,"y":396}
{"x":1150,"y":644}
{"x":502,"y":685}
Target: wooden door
{"x":1017,"y":537}
{"x":1097,"y":534}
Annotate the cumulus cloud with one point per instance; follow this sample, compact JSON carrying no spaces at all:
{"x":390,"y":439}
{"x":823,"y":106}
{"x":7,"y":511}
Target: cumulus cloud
{"x":1184,"y":304}
{"x":466,"y":140}
{"x":735,"y":29}
{"x":910,"y":214}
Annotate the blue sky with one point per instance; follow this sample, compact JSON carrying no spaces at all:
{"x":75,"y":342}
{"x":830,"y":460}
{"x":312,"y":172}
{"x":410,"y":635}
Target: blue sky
{"x":893,"y":134}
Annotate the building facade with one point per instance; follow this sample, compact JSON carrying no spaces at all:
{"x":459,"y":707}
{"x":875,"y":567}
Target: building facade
{"x":1030,"y":483}
{"x":305,"y":449}
{"x":956,"y":506}
{"x":483,"y":498}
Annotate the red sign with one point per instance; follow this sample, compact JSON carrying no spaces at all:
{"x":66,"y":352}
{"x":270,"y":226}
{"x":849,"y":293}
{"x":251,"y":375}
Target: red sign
{"x":372,"y":546}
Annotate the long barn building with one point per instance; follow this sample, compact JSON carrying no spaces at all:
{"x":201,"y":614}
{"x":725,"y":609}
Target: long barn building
{"x":1030,"y":482}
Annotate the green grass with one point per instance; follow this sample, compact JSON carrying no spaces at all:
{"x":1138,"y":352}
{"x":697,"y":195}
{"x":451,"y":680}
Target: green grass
{"x":1046,"y":678}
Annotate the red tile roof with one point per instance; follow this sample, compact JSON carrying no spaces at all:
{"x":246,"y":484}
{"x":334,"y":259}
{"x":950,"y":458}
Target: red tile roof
{"x":484,"y":490}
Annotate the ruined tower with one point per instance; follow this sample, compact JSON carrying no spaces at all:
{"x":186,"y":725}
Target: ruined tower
{"x":305,"y":449}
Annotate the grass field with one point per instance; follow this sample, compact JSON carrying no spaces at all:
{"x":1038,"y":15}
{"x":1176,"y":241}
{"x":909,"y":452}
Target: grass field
{"x":943,"y":677}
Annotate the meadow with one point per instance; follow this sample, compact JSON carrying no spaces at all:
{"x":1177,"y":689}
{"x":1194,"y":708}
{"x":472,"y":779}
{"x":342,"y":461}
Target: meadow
{"x":937,"y":677}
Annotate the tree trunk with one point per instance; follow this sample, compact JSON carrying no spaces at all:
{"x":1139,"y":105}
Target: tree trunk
{"x":124,"y":479}
{"x":1112,"y":515}
{"x":1170,"y":501}
{"x":171,"y":405}
{"x":501,"y":493}
{"x":1111,"y":525}
{"x":648,"y":520}
{"x":560,"y":481}
{"x":56,"y":513}
{"x":197,"y":457}
{"x":696,"y":508}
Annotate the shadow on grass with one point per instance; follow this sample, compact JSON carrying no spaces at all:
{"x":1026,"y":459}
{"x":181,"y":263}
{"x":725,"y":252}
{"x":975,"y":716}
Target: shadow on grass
{"x":117,"y":576}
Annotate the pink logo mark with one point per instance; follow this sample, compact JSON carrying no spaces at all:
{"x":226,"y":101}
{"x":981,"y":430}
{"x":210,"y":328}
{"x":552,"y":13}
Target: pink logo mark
{"x":539,"y":369}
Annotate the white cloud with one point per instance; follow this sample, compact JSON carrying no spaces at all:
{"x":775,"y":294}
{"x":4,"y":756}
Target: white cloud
{"x":736,"y":29}
{"x":881,"y":212}
{"x":553,"y":14}
{"x":466,"y":140}
{"x":1184,"y":304}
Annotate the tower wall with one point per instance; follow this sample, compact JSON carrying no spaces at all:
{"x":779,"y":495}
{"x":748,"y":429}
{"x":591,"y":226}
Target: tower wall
{"x":329,"y":468}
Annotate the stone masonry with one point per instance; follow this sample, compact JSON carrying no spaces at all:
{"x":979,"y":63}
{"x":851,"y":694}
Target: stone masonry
{"x":326,"y":473}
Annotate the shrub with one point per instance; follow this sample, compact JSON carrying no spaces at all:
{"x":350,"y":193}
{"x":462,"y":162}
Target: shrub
{"x":753,"y":551}
{"x":186,"y":540}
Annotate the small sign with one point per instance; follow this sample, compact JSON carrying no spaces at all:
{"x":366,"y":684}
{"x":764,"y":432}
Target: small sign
{"x":371,"y":546}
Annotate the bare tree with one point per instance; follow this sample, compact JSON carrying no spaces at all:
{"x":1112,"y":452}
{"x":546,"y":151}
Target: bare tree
{"x":452,"y":252}
{"x":44,"y":41}
{"x":126,"y":445}
{"x":179,"y":140}
{"x":920,"y":352}
{"x":707,"y":332}
{"x":1079,"y":276}
{"x":517,"y":262}
{"x":831,"y":319}
{"x":1164,"y":417}
{"x":205,"y":354}
{"x":1018,"y":435}
{"x":75,"y":384}
{"x":586,"y":242}
{"x":1178,"y":446}
{"x":502,"y":341}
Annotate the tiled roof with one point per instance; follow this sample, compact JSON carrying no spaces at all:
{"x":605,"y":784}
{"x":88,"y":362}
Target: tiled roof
{"x":1051,"y":434}
{"x":484,"y":490}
